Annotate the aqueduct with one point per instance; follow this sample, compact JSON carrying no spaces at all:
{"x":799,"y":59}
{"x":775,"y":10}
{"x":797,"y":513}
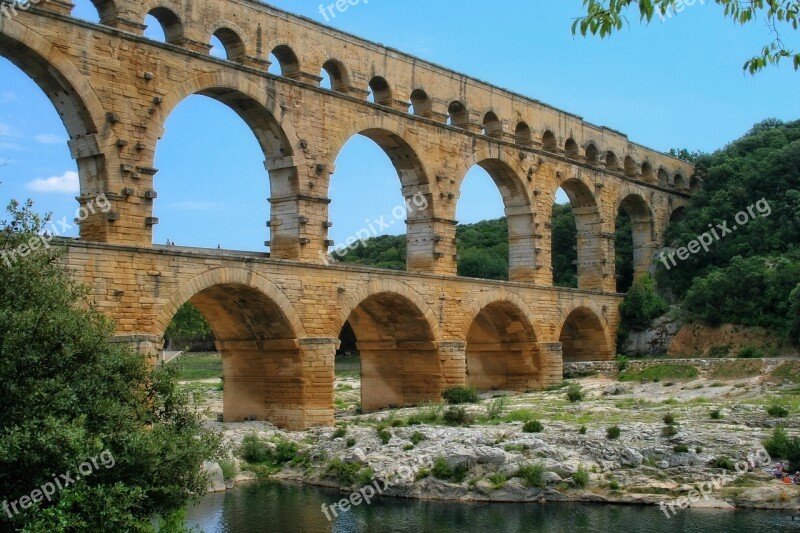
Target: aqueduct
{"x":277,"y":316}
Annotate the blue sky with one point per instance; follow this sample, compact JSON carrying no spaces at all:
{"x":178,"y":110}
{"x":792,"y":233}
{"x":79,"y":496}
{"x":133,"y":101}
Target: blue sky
{"x":676,"y":83}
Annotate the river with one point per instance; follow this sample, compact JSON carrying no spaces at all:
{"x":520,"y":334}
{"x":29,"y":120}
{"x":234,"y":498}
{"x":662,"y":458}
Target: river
{"x":279,"y":507}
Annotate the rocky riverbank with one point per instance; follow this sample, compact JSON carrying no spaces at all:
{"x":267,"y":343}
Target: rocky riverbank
{"x":680,"y":433}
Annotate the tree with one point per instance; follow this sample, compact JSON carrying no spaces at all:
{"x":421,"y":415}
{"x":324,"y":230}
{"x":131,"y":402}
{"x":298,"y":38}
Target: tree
{"x":189,"y":329}
{"x":68,"y":396}
{"x":604,"y":17}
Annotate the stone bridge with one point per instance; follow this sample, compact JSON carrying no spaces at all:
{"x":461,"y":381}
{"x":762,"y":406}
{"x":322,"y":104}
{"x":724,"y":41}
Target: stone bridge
{"x":278,"y":315}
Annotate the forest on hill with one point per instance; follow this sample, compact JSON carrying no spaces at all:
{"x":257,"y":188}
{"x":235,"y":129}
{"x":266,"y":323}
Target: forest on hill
{"x":750,"y":276}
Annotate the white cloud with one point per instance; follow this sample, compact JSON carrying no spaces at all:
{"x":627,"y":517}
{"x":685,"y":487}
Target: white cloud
{"x":48,"y":138}
{"x":67,"y":184}
{"x":7,"y":96}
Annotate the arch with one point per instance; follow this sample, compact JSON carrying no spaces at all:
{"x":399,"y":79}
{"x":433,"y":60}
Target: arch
{"x":457,"y":114}
{"x":502,"y":351}
{"x":170,"y":22}
{"x":583,"y":335}
{"x":257,"y":332}
{"x":677,"y":214}
{"x":679,"y":183}
{"x":647,"y":171}
{"x":571,"y":149}
{"x":75,"y":101}
{"x":421,"y":103}
{"x":106,"y":9}
{"x":612,"y":162}
{"x":396,"y":336}
{"x":251,"y":102}
{"x":337,"y":72}
{"x":549,"y":141}
{"x":631,"y":167}
{"x":588,"y":221}
{"x":492,"y":126}
{"x":381,"y":92}
{"x":287,"y":60}
{"x":476,"y":305}
{"x":663,"y":177}
{"x":694,"y":184}
{"x":507,"y":174}
{"x":523,"y":135}
{"x":643,"y":229}
{"x":232,"y":43}
{"x":592,"y":154}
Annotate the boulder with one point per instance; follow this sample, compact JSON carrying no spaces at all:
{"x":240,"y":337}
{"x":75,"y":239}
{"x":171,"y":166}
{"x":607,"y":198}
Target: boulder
{"x":215,"y":476}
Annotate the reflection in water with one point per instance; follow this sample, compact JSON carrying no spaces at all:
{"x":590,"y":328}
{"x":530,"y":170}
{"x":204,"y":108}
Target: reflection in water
{"x":284,"y":508}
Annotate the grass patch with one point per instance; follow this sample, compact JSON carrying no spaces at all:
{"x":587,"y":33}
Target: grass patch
{"x":735,"y":370}
{"x":458,"y":416}
{"x":498,"y":480}
{"x":496,"y":408}
{"x":197,"y":366}
{"x":441,"y":470}
{"x":661,"y":372}
{"x":228,"y":469}
{"x":777,"y":410}
{"x":581,"y":477}
{"x":532,"y":475}
{"x":787,"y":372}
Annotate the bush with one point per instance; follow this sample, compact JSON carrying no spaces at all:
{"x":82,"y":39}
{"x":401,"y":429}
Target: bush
{"x":532,"y":426}
{"x":575,"y":393}
{"x":724,"y":462}
{"x":345,"y":473}
{"x":669,"y":419}
{"x":228,"y":468}
{"x":669,"y":431}
{"x":285,"y":451}
{"x":496,"y":408}
{"x":384,"y":434}
{"x":680,"y":448}
{"x":781,"y":446}
{"x":777,"y":410}
{"x":365,"y":477}
{"x":716,"y":414}
{"x":459,"y":395}
{"x":582,"y":431}
{"x":613,"y":432}
{"x":532,"y":475}
{"x":458,"y":416}
{"x":581,"y":477}
{"x":717,"y":351}
{"x":441,"y":470}
{"x":340,"y":432}
{"x":640,"y":307}
{"x":622,"y":363}
{"x":351,"y":442}
{"x":498,"y":480}
{"x":255,"y":450}
{"x":750,"y":352}
{"x":417,"y":437}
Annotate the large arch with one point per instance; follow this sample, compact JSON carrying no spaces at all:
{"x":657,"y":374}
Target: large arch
{"x":590,"y":244}
{"x":257,"y":332}
{"x":508,"y":176}
{"x":643,"y":228}
{"x":417,"y":188}
{"x":79,"y":107}
{"x":502,"y":348}
{"x":584,"y":335}
{"x":396,"y":335}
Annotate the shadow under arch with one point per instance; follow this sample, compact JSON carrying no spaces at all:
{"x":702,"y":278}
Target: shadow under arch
{"x":396,"y":336}
{"x":507,"y":175}
{"x":643,"y":228}
{"x":502,"y":348}
{"x":584,"y":335}
{"x":588,"y":221}
{"x":78,"y":106}
{"x":257,"y":332}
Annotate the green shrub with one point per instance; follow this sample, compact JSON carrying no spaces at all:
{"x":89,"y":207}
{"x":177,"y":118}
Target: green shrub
{"x":719,"y":351}
{"x":459,"y":395}
{"x":417,"y":437}
{"x":669,"y":431}
{"x":640,"y":307}
{"x":781,"y":446}
{"x":532,"y":475}
{"x":365,"y":477}
{"x":750,"y":352}
{"x":614,"y":485}
{"x":408,"y":447}
{"x":255,"y":450}
{"x":622,"y":363}
{"x":228,"y":469}
{"x":582,"y":431}
{"x":441,"y":470}
{"x":680,"y":448}
{"x":575,"y":393}
{"x":581,"y":477}
{"x":533,"y":426}
{"x":777,"y":410}
{"x":724,"y":462}
{"x":422,"y":473}
{"x":613,"y":432}
{"x":345,"y":473}
{"x":698,"y":450}
{"x":285,"y":451}
{"x":351,"y":442}
{"x":498,"y":480}
{"x":669,"y":419}
{"x":716,"y":414}
{"x":340,"y":432}
{"x":384,"y":434}
{"x":496,"y":408}
{"x":458,"y":416}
